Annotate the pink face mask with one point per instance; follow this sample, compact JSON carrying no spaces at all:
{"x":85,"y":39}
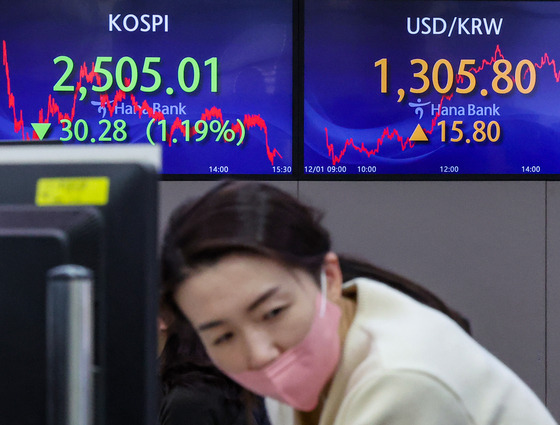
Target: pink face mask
{"x":299,"y":374}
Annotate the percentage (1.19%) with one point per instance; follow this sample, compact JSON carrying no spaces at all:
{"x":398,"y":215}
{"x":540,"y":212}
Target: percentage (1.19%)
{"x":221,"y":131}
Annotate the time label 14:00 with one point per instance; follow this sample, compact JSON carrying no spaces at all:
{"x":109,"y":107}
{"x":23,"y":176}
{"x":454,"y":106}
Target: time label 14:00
{"x":126,"y":74}
{"x":444,"y":79}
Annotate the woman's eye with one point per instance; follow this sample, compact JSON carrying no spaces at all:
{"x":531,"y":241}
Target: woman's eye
{"x":273,"y":313}
{"x":224,"y":338}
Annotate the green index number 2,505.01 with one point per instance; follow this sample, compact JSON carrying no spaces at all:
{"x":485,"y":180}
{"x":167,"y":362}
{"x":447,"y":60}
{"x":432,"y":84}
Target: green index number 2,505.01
{"x":126,"y":74}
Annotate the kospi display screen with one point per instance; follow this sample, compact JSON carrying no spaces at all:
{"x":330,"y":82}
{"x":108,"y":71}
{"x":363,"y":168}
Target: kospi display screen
{"x":432,"y":88}
{"x":210,"y":81}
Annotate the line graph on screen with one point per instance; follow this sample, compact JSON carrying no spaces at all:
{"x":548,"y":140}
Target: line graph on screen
{"x":392,"y":134}
{"x":87,"y":77}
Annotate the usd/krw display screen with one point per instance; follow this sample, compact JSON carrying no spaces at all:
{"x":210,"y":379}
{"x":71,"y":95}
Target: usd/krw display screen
{"x":210,"y":81}
{"x":432,"y":88}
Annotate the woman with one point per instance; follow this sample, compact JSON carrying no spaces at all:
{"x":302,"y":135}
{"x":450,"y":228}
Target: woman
{"x":332,"y":340}
{"x":195,"y":392}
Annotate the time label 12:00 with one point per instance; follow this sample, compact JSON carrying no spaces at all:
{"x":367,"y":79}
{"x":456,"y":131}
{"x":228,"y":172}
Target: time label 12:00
{"x":126,"y":74}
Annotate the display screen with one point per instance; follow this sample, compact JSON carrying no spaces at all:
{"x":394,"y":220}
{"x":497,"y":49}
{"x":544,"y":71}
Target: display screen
{"x":210,"y":81}
{"x":428,"y":88}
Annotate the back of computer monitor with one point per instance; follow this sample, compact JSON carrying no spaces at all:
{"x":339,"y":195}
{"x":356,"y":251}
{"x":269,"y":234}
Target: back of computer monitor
{"x":96,"y":209}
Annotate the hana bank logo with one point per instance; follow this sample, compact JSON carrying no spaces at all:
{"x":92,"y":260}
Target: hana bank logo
{"x":418,"y":107}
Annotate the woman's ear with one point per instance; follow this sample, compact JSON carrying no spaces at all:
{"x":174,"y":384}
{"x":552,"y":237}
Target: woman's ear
{"x":162,"y":328}
{"x":331,"y":268}
{"x":162,"y":324}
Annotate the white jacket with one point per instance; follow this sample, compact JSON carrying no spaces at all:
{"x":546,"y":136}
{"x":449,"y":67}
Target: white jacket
{"x":404,"y":363}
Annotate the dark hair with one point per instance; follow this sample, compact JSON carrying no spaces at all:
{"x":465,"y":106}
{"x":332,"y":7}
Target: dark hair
{"x":241,"y":217}
{"x":261,"y":219}
{"x":184,"y":363}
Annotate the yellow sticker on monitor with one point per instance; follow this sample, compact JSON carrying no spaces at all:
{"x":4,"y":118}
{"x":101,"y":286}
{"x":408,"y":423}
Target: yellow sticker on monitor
{"x":60,"y":191}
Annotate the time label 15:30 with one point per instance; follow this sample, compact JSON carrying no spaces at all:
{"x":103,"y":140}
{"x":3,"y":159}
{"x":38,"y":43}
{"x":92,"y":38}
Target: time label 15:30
{"x":126,"y":74}
{"x":444,"y":79}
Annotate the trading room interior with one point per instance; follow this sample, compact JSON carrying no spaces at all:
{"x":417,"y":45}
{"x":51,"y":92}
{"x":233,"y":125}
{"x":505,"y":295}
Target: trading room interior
{"x":426,"y":133}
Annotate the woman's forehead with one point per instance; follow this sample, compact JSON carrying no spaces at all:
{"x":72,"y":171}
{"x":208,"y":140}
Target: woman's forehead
{"x":239,"y":274}
{"x":236,"y":282}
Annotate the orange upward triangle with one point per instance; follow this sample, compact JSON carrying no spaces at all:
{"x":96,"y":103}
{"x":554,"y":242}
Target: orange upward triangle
{"x":418,"y":135}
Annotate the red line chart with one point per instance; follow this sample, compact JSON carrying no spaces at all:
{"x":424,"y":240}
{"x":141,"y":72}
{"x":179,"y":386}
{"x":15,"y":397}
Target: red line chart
{"x":391,"y":134}
{"x":141,"y":107}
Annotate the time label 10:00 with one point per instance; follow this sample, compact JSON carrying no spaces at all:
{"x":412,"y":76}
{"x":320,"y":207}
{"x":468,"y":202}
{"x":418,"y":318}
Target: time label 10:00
{"x":126,"y":74}
{"x":442,"y":71}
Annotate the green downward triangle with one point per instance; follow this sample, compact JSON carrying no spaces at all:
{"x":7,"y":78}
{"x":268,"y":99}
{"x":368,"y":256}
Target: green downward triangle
{"x":41,"y":128}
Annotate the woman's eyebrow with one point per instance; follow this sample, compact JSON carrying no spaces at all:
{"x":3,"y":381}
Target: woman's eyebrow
{"x":263,"y":298}
{"x":210,"y":325}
